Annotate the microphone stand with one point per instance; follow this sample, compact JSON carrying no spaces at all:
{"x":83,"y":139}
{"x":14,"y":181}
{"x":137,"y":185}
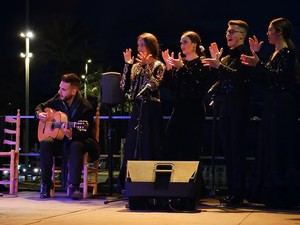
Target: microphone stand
{"x":213,"y":136}
{"x":139,"y":131}
{"x":138,"y":143}
{"x":142,"y":95}
{"x":213,"y":145}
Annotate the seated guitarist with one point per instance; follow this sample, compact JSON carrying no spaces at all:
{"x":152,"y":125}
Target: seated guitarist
{"x":75,"y":142}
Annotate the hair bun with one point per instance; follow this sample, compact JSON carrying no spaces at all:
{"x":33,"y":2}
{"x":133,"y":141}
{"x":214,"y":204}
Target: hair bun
{"x":202,"y":49}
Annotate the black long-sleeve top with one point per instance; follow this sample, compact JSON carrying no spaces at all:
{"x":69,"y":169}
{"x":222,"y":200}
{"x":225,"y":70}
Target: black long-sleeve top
{"x":136,"y":76}
{"x":232,"y":74}
{"x":190,"y":82}
{"x":279,"y":74}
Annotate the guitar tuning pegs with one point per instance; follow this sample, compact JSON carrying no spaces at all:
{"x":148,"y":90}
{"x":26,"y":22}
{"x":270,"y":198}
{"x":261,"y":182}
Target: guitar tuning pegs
{"x":82,"y":125}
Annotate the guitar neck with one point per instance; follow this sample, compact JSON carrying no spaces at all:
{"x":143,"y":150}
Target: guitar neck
{"x":72,"y":124}
{"x":59,"y":124}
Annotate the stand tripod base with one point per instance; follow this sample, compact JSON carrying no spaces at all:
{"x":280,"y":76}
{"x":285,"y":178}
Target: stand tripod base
{"x":121,"y":197}
{"x":117,"y":199}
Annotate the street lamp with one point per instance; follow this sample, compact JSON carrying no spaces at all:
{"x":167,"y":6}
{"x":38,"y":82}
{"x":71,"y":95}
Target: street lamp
{"x":84,"y":77}
{"x":27,"y":55}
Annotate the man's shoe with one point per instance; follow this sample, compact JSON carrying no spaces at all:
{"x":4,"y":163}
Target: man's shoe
{"x":45,"y":191}
{"x":75,"y":193}
{"x":232,"y":201}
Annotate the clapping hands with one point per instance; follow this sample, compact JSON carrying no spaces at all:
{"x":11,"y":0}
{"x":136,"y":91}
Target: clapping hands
{"x":250,"y":60}
{"x":215,"y":54}
{"x":171,"y":61}
{"x":142,"y":58}
{"x":255,"y":44}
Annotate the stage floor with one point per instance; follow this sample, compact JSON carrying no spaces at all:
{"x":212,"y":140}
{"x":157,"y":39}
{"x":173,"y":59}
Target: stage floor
{"x":28,"y":208}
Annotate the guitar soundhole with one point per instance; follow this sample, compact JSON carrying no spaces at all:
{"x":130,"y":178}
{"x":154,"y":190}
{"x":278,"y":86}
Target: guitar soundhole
{"x":53,"y":125}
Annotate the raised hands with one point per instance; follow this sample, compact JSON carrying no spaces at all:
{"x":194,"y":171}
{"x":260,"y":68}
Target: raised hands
{"x":144,"y":58}
{"x":127,"y":56}
{"x":254,"y":44}
{"x":215,"y":54}
{"x":171,"y":61}
{"x":250,"y":60}
{"x":166,"y":55}
{"x":214,"y":51}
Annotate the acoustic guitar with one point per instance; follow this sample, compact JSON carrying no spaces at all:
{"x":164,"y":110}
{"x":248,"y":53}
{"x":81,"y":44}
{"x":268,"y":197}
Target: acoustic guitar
{"x":52,"y":127}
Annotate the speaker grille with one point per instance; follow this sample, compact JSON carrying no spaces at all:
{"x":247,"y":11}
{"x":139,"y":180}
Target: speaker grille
{"x":145,"y":171}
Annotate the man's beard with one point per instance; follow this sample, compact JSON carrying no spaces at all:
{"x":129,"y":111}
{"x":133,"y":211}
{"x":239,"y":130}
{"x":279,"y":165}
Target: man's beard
{"x":66,"y":98}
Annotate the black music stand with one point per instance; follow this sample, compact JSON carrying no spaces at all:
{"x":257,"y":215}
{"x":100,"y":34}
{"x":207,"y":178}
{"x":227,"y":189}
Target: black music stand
{"x":111,"y":95}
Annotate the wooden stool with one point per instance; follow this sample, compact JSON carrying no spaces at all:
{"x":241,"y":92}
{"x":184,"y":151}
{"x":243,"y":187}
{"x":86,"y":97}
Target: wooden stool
{"x":90,"y":170}
{"x":12,"y":154}
{"x":90,"y":175}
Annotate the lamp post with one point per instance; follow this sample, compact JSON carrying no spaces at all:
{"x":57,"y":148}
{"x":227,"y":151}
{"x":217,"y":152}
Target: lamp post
{"x":84,"y":77}
{"x":27,"y":55}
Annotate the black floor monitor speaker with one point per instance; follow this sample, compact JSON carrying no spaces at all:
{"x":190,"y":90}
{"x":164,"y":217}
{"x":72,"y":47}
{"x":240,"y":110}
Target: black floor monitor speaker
{"x":162,"y":184}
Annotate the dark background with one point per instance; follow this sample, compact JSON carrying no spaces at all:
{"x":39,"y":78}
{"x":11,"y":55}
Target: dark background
{"x":67,"y":32}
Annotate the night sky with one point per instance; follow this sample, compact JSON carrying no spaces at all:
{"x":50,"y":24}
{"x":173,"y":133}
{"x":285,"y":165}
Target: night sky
{"x":68,"y":32}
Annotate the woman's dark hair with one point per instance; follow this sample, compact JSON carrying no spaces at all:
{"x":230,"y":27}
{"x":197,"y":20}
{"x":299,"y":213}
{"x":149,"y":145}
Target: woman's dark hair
{"x":151,"y":43}
{"x":71,"y":78}
{"x":195,"y":38}
{"x":284,"y":26}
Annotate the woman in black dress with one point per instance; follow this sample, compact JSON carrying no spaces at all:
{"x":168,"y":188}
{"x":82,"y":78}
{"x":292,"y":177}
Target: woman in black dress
{"x":276,"y":164}
{"x":189,"y":80}
{"x":140,"y":83}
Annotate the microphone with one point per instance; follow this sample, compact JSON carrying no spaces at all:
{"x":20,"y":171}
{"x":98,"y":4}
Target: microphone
{"x":144,"y":89}
{"x":213,"y":87}
{"x":212,"y":90}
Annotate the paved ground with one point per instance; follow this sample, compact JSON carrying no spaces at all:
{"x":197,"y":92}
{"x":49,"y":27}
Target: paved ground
{"x":27,"y":209}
